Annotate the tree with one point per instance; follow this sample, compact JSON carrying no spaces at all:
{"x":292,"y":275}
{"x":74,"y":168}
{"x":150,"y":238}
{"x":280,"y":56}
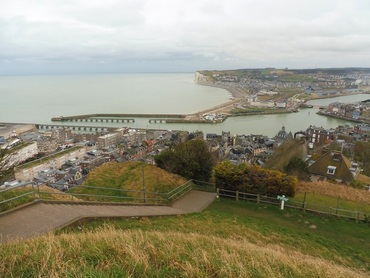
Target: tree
{"x":191,"y":160}
{"x":166,"y":160}
{"x":297,"y":167}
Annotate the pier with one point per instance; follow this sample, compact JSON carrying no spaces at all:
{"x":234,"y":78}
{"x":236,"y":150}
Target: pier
{"x":117,"y":118}
{"x":155,"y":121}
{"x":77,"y":128}
{"x":129,"y":118}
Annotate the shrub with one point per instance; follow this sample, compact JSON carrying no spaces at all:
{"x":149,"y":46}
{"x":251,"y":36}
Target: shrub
{"x":254,"y":179}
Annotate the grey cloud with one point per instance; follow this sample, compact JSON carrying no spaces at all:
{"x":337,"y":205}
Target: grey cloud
{"x":167,"y":33}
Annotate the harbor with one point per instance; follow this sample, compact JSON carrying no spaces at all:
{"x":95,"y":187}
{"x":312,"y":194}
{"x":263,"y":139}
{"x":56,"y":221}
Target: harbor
{"x":173,"y":105}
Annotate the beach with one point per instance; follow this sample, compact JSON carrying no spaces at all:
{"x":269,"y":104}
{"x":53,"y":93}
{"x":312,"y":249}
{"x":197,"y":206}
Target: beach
{"x":236,"y":99}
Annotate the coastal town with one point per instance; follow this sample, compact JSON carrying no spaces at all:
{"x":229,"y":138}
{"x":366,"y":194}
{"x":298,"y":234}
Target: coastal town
{"x":62,"y":156}
{"x":185,"y":138}
{"x":268,"y":91}
{"x":257,"y":92}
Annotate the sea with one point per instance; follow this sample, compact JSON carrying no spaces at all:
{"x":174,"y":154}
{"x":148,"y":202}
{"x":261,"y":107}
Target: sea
{"x":36,"y":99}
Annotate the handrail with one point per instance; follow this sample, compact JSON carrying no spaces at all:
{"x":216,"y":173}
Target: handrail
{"x":143,"y":197}
{"x":16,"y":197}
{"x":169,"y":193}
{"x":179,"y":191}
{"x":176,"y":193}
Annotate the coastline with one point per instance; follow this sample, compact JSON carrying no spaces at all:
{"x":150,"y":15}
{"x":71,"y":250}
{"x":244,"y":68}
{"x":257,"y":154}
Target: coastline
{"x":342,"y":118}
{"x":223,"y":110}
{"x":234,"y":92}
{"x":238,"y":95}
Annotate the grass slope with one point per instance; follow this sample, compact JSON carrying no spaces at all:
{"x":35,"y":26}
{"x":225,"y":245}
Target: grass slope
{"x":342,"y":191}
{"x":322,"y":195}
{"x":284,"y":154}
{"x":128,"y":176}
{"x":229,"y":239}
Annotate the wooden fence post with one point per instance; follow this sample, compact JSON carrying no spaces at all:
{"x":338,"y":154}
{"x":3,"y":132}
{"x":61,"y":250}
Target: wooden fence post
{"x":258,"y":198}
{"x":304,"y":202}
{"x":237,"y":196}
{"x":217,"y":193}
{"x":38,"y":190}
{"x":336,"y":211}
{"x":34,"y":190}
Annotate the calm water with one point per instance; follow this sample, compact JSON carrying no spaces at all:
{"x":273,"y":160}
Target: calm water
{"x":39,"y":98}
{"x":36,"y":99}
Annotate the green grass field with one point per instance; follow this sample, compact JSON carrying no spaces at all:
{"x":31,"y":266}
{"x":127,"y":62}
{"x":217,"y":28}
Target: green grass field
{"x":229,"y":239}
{"x":316,"y":201}
{"x":332,"y":238}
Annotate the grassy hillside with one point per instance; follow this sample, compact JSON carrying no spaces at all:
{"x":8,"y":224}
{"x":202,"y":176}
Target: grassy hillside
{"x":229,"y":239}
{"x":125,"y":176}
{"x":323,"y":195}
{"x":128,"y":176}
{"x":342,"y":191}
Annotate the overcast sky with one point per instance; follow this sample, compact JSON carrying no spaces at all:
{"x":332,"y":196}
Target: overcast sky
{"x":65,"y":36}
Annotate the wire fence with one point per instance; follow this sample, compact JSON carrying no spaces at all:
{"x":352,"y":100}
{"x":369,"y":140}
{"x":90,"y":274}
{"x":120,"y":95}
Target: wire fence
{"x":305,"y":205}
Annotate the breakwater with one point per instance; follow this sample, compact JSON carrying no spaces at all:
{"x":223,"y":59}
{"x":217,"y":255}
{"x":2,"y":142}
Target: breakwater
{"x":118,"y":118}
{"x":74,"y":127}
{"x":130,"y":118}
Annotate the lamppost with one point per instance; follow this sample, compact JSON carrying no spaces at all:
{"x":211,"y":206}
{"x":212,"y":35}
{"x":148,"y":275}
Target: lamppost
{"x":142,"y":173}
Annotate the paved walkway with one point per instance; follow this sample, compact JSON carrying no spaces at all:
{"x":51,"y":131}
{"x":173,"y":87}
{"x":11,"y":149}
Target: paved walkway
{"x":41,"y":217}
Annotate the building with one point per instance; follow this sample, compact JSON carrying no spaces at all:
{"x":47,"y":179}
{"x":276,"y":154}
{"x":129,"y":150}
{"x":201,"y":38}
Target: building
{"x":62,"y":135}
{"x":333,"y":165}
{"x":281,"y":104}
{"x":282,"y":136}
{"x":320,"y":135}
{"x":362,"y":128}
{"x":28,"y":171}
{"x":108,"y":140}
{"x":46,"y":144}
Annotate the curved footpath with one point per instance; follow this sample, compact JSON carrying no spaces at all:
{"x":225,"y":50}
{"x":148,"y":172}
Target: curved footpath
{"x":39,"y":218}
